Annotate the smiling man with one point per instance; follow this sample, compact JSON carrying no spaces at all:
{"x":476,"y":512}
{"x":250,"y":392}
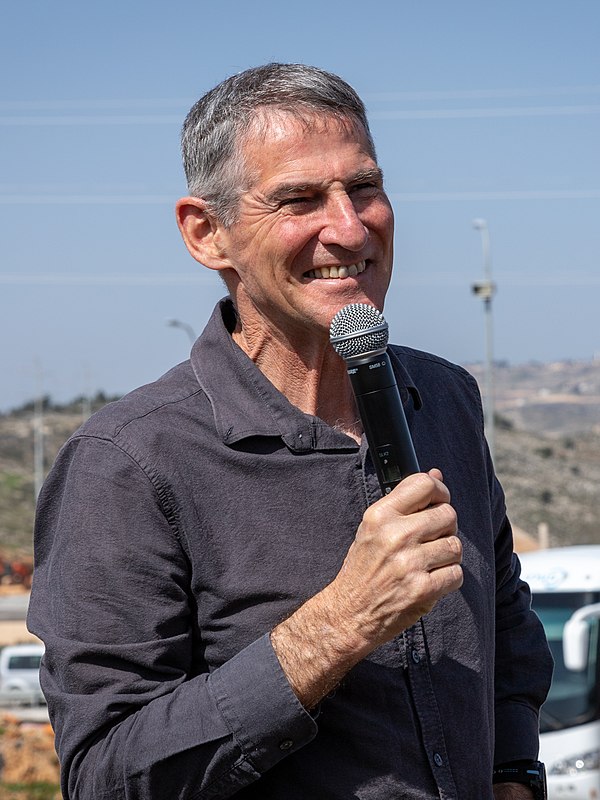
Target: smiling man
{"x":313,"y":232}
{"x":228,"y":604}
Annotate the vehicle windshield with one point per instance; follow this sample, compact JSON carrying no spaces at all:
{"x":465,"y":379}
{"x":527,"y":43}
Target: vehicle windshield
{"x":574,"y":696}
{"x":24,"y":662}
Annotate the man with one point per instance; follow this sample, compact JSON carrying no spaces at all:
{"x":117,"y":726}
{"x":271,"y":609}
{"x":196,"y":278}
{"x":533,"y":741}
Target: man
{"x":228,"y":604}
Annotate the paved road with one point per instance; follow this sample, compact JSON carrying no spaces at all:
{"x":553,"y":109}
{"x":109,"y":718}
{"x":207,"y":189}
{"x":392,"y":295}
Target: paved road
{"x":27,"y":713}
{"x":13,"y":606}
{"x":35,"y":714}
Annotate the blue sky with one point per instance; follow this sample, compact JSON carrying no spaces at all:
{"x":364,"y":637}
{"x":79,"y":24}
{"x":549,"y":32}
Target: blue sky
{"x":478,"y":110}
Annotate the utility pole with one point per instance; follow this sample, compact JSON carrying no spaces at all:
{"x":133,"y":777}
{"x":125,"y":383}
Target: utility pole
{"x":486,"y":290}
{"x":86,"y":401}
{"x":38,"y":432}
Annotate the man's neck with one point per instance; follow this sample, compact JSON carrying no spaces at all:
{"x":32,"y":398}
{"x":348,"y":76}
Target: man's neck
{"x":309,"y":373}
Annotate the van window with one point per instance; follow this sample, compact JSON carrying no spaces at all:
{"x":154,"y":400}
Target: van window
{"x":24,"y":662}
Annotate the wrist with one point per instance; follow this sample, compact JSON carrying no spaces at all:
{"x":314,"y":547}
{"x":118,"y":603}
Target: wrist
{"x":512,"y":791}
{"x":316,"y":647}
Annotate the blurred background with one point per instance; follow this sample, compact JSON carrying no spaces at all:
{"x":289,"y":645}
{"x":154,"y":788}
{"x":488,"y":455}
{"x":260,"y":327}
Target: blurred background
{"x":486,"y":119}
{"x":478,"y":111}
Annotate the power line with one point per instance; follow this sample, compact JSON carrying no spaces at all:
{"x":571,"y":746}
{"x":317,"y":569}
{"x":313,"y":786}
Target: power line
{"x":70,"y":120}
{"x":518,"y":194}
{"x":91,"y":119}
{"x":480,"y":94}
{"x":391,"y":96}
{"x":86,"y":199}
{"x":487,"y":113}
{"x":104,"y":279}
{"x":567,"y":278}
{"x":56,"y":105}
{"x":399,"y":197}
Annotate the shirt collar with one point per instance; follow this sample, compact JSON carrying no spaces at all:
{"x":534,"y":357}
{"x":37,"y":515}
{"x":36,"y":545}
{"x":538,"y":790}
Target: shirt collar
{"x":406,"y":385}
{"x":248,"y":404}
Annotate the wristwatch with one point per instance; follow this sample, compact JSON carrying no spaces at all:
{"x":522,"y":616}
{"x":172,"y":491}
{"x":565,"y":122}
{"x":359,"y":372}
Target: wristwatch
{"x":529,"y":773}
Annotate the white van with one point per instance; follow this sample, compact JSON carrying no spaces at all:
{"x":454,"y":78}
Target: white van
{"x":20,"y":670}
{"x":565,"y":587}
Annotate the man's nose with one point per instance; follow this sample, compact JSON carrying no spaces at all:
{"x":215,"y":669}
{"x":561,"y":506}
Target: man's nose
{"x":342,"y":225}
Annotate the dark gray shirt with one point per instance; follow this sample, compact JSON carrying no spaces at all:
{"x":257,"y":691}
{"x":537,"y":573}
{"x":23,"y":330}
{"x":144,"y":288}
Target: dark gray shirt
{"x":182,"y":523}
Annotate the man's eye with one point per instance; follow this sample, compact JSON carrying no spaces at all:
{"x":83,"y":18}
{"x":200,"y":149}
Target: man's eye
{"x":290,"y":201}
{"x":365,"y":188}
{"x":302,"y":204}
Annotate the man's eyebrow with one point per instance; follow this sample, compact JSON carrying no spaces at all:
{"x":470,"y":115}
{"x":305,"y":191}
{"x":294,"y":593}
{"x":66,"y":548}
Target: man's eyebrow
{"x":375,"y":174}
{"x":286,"y":190}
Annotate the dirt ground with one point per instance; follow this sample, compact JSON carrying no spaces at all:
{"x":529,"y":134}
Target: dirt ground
{"x":27,"y":755}
{"x":27,"y":758}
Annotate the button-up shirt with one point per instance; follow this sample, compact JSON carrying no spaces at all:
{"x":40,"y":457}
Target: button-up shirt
{"x":182,"y":523}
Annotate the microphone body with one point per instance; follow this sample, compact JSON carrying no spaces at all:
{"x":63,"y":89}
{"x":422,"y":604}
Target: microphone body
{"x":359,"y":327}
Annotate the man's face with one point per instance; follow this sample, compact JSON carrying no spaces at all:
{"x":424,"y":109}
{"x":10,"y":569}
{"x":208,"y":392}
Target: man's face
{"x":315,"y":230}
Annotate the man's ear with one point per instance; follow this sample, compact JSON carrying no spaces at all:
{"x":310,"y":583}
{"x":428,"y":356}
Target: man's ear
{"x":201,"y":232}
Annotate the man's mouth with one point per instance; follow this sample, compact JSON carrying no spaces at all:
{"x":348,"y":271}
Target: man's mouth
{"x":337,"y":272}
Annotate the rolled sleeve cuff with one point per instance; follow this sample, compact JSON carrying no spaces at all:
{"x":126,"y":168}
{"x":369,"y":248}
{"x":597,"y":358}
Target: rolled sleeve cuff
{"x":259,"y":706}
{"x":517,"y":733}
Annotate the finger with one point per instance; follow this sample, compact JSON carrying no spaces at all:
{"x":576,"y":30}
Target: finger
{"x":436,"y":522}
{"x":417,"y":492}
{"x":446,"y":579}
{"x":443,"y":552}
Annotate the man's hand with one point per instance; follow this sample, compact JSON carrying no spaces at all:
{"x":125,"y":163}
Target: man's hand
{"x":404,"y":558}
{"x":512,"y":791}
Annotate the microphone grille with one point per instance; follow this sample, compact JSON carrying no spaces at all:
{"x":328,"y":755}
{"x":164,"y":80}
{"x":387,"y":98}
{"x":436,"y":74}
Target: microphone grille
{"x":358,"y":329}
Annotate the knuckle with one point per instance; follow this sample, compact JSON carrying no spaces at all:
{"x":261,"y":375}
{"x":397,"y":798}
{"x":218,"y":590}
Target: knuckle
{"x":447,"y":517}
{"x":446,"y":580}
{"x":423,"y":482}
{"x":455,"y":545}
{"x":376,"y":515}
{"x":457,"y":575}
{"x":442,"y":518}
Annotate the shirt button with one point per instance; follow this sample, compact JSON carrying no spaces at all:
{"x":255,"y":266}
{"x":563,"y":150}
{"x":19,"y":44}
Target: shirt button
{"x":415,"y":656}
{"x":439,"y":761}
{"x":286,"y":744}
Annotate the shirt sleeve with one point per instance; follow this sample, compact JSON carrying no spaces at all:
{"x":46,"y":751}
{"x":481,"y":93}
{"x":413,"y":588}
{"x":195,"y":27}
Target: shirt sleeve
{"x":523,"y":665}
{"x":135,"y":710}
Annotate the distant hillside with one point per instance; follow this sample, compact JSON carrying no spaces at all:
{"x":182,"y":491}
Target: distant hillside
{"x":548,"y":446}
{"x":552,"y":480}
{"x":561,"y":397}
{"x":17,"y":462}
{"x":547,"y":452}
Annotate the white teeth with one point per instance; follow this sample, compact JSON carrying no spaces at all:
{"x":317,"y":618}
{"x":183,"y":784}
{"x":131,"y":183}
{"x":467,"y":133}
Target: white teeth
{"x":337,"y":272}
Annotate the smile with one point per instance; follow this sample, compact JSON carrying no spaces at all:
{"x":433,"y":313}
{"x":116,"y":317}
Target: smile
{"x":337,"y":272}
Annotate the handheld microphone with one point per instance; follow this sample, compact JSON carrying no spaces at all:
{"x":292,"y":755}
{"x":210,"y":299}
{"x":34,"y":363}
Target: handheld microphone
{"x":359,"y":334}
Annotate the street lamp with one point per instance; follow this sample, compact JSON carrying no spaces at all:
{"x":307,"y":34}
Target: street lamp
{"x":486,"y":290}
{"x":38,"y":432}
{"x":176,"y":323}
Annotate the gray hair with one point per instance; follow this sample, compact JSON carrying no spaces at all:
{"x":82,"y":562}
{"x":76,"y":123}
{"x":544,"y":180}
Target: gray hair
{"x":217,"y":123}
